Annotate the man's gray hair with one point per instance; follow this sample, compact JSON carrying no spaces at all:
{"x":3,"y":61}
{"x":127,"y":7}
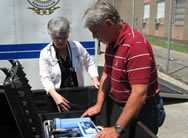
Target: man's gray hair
{"x":99,"y":12}
{"x":59,"y":25}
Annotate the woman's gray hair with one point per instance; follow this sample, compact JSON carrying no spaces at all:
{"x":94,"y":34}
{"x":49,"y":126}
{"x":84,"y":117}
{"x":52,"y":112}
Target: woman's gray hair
{"x":59,"y":25}
{"x":99,"y":12}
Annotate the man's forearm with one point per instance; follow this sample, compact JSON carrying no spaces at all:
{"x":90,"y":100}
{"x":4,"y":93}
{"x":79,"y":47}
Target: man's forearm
{"x":132,"y":107}
{"x":101,"y":92}
{"x":100,"y":98}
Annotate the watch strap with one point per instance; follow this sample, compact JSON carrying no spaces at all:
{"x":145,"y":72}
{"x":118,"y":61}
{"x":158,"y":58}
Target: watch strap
{"x":118,"y":128}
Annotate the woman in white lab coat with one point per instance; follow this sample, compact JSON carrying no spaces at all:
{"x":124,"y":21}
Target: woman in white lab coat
{"x":62,"y":62}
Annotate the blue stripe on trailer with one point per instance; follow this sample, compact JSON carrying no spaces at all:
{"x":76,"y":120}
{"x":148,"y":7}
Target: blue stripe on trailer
{"x":24,"y":51}
{"x":22,"y":47}
{"x":20,"y":55}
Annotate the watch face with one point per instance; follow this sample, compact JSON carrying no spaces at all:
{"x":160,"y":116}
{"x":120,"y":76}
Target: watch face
{"x":118,"y":128}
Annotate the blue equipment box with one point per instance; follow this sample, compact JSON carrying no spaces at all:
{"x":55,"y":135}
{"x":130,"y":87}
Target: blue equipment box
{"x":70,"y":127}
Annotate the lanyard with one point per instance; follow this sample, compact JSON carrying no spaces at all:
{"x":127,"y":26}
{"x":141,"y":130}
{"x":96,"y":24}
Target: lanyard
{"x":70,"y":54}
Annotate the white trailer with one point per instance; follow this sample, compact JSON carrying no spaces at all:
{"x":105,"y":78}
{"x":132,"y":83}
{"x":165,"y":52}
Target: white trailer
{"x":23,"y":31}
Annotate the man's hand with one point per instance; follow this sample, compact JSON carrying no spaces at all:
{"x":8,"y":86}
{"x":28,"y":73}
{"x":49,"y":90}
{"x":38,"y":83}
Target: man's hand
{"x":92,"y":111}
{"x":108,"y":132}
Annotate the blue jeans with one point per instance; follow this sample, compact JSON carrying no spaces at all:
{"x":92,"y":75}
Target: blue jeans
{"x":153,"y":114}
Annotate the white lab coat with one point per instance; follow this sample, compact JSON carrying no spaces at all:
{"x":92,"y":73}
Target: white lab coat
{"x":50,"y":73}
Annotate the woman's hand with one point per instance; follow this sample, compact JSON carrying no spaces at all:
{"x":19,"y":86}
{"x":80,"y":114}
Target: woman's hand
{"x":96,"y":82}
{"x":62,"y":103}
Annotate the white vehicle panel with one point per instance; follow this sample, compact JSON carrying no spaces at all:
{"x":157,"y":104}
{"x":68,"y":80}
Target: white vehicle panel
{"x":22,"y":29}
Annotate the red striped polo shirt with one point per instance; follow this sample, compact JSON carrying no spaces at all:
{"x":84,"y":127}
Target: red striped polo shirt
{"x":130,"y":61}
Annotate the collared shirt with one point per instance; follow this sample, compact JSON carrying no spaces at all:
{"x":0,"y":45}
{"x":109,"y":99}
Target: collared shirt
{"x":130,"y":61}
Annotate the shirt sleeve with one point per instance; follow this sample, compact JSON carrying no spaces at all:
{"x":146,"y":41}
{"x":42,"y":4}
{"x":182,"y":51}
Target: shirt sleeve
{"x":140,"y":63}
{"x":44,"y":70}
{"x":88,"y":61}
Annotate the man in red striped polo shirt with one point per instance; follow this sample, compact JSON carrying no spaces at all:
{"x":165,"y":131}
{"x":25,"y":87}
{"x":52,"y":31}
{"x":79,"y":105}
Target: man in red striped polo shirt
{"x":129,"y":70}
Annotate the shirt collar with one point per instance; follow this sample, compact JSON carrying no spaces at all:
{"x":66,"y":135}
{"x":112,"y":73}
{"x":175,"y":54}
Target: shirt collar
{"x":122,"y":35}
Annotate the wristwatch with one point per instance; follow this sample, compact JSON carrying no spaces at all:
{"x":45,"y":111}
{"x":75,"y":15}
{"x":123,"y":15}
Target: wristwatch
{"x":118,"y":128}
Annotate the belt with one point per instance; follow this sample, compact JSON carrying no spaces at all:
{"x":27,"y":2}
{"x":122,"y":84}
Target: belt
{"x":115,"y":101}
{"x":153,"y":100}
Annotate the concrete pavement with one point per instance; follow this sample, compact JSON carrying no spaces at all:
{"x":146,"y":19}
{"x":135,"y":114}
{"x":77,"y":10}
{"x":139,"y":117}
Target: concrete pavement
{"x":178,"y":63}
{"x":175,"y":125}
{"x":176,"y":122}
